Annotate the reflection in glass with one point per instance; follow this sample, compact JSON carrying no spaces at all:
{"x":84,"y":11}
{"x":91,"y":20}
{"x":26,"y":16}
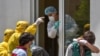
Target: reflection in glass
{"x":76,"y":16}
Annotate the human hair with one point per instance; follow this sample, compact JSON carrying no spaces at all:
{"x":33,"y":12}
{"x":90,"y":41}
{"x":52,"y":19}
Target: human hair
{"x":25,"y":38}
{"x":89,"y":36}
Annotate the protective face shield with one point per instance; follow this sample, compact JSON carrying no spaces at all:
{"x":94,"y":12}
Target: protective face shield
{"x":7,"y":34}
{"x":32,"y":45}
{"x":50,"y":10}
{"x":22,"y":25}
{"x":51,"y":18}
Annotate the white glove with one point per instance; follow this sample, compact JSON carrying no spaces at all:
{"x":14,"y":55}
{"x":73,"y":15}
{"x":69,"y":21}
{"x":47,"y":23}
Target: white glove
{"x":80,"y":41}
{"x":52,"y":33}
{"x":39,"y":20}
{"x":75,"y":40}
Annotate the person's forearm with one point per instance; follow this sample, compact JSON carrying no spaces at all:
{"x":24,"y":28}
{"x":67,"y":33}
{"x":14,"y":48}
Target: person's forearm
{"x":52,"y":33}
{"x":93,"y":48}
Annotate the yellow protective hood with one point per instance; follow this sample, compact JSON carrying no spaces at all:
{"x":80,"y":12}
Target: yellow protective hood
{"x":7,"y":34}
{"x":21,"y":26}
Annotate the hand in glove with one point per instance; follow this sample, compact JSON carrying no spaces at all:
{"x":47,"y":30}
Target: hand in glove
{"x":75,"y":40}
{"x":80,"y":41}
{"x":56,"y":25}
{"x":39,"y":20}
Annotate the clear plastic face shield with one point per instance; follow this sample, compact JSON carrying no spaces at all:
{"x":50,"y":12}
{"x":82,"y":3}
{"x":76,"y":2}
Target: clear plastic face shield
{"x":32,"y":44}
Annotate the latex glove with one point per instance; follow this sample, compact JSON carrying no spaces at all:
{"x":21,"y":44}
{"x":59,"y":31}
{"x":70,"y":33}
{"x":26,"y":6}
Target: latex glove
{"x":39,"y":20}
{"x":75,"y":40}
{"x":52,"y":33}
{"x":80,"y":41}
{"x":56,"y":25}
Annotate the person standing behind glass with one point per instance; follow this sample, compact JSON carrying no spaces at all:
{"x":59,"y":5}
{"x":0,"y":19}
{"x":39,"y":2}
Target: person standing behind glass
{"x":52,"y":29}
{"x":70,"y":26}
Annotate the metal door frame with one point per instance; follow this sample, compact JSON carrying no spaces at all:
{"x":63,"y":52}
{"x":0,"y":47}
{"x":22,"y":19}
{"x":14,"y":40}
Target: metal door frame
{"x":34,"y":14}
{"x":61,"y":26}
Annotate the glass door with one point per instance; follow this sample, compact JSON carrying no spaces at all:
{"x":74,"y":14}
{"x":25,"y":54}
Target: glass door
{"x":72,"y":15}
{"x":42,"y":36}
{"x":76,"y":15}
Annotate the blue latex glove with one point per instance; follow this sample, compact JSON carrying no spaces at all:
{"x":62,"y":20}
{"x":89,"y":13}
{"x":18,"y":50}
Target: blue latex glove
{"x":56,"y":25}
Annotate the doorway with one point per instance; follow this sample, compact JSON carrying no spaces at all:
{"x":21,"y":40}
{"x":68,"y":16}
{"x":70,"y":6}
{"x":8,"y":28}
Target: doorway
{"x":47,"y":43}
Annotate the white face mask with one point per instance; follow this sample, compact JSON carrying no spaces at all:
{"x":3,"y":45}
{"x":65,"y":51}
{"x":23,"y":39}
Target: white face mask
{"x":51,"y":18}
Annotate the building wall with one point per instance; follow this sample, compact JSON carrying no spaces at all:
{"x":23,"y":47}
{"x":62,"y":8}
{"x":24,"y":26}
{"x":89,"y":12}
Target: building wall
{"x":95,"y":21}
{"x":11,"y":11}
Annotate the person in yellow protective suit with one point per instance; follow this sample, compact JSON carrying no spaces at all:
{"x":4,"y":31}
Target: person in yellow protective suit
{"x":23,"y":26}
{"x":4,"y":44}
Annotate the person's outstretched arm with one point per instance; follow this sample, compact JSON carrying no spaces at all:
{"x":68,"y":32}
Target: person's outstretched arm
{"x":33,"y":28}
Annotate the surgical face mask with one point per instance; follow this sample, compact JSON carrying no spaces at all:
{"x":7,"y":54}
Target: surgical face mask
{"x":51,"y":18}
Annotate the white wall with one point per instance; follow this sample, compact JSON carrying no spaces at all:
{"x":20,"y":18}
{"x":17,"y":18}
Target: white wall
{"x":95,"y":21}
{"x":11,"y":11}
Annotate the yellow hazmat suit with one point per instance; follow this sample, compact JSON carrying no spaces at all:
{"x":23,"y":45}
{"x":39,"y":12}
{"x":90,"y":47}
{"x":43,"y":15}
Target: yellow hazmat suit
{"x":4,"y":44}
{"x":22,"y":26}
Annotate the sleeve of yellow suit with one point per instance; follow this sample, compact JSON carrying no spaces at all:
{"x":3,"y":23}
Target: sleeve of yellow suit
{"x":32,"y":29}
{"x":3,"y":49}
{"x":4,"y":53}
{"x":13,"y":42}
